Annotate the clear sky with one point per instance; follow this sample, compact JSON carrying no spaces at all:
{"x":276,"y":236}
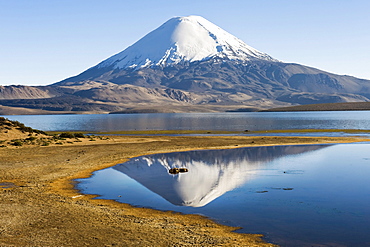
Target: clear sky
{"x":46,"y":41}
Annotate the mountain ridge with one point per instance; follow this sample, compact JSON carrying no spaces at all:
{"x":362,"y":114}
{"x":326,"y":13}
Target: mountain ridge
{"x":189,"y":64}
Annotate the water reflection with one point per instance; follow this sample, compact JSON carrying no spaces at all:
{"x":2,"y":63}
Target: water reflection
{"x":210,"y":173}
{"x":313,"y":195}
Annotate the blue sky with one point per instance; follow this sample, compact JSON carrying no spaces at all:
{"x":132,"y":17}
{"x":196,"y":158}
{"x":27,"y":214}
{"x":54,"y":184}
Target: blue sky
{"x":42,"y":42}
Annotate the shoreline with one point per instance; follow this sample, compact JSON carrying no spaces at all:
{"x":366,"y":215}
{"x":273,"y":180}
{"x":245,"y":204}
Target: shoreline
{"x":44,"y":208}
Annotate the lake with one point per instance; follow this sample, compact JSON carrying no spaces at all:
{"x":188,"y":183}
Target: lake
{"x":199,"y":121}
{"x":296,"y":195}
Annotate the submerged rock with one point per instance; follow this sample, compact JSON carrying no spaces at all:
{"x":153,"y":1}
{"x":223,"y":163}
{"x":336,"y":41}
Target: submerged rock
{"x":178,"y":170}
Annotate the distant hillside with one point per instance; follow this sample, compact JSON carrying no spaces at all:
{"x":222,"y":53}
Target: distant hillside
{"x":24,"y":92}
{"x":351,"y":106}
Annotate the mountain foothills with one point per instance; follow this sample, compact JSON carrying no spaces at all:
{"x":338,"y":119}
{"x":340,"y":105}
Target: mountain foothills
{"x":186,"y":65}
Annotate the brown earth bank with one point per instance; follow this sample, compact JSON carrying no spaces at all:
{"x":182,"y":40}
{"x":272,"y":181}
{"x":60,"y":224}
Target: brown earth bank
{"x":133,"y":109}
{"x":348,"y":106}
{"x":40,"y":207}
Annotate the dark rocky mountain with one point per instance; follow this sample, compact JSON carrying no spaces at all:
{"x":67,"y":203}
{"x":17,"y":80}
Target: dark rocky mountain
{"x":189,"y":64}
{"x":233,"y":83}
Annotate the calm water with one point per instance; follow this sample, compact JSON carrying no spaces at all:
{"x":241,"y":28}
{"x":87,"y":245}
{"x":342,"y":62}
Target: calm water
{"x":199,"y":121}
{"x":295,"y":195}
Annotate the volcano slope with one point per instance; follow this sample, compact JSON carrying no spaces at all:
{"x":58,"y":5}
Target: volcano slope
{"x":188,"y":64}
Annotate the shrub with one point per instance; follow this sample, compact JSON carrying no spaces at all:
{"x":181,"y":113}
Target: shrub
{"x":16,"y":143}
{"x":31,"y":138}
{"x":66,"y":135}
{"x":79,"y":135}
{"x":25,"y":129}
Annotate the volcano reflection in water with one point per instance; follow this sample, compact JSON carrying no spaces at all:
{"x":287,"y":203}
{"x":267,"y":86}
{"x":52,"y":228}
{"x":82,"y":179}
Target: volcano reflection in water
{"x":313,"y":195}
{"x":211,"y":173}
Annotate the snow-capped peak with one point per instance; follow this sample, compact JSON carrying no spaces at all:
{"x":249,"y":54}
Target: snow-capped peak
{"x":183,"y":39}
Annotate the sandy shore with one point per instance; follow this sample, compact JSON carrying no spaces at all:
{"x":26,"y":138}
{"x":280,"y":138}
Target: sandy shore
{"x":39,"y":206}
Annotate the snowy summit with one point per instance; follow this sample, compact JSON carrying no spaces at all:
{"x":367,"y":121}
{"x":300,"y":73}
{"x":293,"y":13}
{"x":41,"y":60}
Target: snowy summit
{"x":183,"y":39}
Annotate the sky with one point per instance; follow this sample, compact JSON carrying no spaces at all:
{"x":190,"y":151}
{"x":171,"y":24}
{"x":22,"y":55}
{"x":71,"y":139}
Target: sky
{"x":46,"y":41}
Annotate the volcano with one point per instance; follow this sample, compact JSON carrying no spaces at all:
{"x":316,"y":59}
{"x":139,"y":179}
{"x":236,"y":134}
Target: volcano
{"x":182,"y":40}
{"x":189,"y":64}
